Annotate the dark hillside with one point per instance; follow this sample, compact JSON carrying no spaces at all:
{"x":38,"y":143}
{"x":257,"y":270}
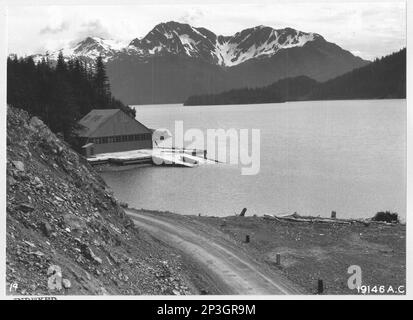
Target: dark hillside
{"x":382,"y":79}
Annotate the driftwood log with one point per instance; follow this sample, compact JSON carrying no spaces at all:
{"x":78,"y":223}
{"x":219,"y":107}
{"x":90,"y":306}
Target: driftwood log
{"x":296,"y":218}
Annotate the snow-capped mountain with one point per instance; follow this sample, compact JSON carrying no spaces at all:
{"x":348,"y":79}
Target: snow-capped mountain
{"x":92,"y":47}
{"x":177,"y":38}
{"x":183,"y":39}
{"x":175,"y":60}
{"x":259,"y":42}
{"x":89,"y":49}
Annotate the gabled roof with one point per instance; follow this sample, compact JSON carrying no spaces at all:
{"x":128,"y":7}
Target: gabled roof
{"x":94,"y":119}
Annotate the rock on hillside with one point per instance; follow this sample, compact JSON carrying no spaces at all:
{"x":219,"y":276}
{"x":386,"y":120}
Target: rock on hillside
{"x":66,"y":233}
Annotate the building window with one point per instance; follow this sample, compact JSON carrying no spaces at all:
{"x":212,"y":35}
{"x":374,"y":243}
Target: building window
{"x":121,"y":138}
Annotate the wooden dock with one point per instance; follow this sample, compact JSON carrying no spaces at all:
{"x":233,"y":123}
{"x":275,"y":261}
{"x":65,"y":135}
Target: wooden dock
{"x":157,"y":156}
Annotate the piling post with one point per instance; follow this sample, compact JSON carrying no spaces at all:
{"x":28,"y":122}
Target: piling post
{"x":194,"y":152}
{"x":333,"y":214}
{"x":320,"y":286}
{"x":205,"y":154}
{"x":242,"y":214}
{"x":247,"y":238}
{"x":278,"y":259}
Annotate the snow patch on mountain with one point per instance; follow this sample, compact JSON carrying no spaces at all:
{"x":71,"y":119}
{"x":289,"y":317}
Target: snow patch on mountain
{"x":231,"y":53}
{"x":188,"y":43}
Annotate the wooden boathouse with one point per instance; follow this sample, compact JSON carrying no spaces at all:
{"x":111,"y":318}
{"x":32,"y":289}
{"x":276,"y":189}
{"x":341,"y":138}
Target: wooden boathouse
{"x":112,"y":130}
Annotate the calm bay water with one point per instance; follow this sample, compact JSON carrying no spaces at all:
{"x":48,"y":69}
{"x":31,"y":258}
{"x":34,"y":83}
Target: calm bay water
{"x":346,"y":156}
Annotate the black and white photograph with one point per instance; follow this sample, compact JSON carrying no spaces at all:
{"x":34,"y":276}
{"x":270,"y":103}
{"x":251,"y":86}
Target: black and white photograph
{"x":205,"y":148}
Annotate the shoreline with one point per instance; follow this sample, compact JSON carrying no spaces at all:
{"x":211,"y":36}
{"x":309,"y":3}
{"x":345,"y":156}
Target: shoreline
{"x":315,"y":218}
{"x":162,"y":105}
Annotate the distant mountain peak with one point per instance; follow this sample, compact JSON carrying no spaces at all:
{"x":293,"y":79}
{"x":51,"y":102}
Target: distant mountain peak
{"x":87,"y":49}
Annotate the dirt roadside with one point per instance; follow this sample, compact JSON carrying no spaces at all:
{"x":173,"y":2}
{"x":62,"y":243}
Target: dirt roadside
{"x":309,"y":252}
{"x":233,"y":270}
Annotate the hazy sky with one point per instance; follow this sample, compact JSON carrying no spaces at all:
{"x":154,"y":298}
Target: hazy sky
{"x":368,"y":29}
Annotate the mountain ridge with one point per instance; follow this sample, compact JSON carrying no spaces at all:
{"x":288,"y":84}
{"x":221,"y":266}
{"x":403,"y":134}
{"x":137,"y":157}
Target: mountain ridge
{"x":174,"y":61}
{"x":181,"y":38}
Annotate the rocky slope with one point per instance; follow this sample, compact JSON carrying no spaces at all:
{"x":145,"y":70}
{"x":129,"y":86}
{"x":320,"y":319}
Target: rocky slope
{"x":175,"y":60}
{"x":66,"y":233}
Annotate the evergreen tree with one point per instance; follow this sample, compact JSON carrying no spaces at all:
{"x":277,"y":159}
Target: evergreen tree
{"x":101,"y":82}
{"x":59,"y":95}
{"x":61,"y":64}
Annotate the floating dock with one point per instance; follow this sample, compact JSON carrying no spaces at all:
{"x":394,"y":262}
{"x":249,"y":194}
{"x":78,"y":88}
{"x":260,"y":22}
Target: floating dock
{"x":157,"y":156}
